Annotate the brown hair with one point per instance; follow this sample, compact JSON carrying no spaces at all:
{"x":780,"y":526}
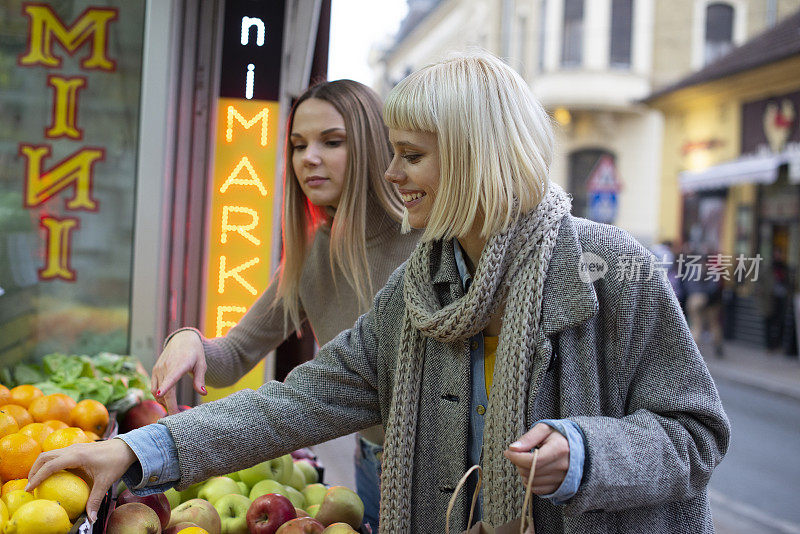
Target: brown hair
{"x":368,"y":157}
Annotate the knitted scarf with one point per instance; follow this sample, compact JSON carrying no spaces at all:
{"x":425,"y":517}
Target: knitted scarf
{"x":511,"y":270}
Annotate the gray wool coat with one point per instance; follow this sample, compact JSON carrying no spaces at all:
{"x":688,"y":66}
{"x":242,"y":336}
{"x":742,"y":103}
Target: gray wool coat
{"x":615,"y":356}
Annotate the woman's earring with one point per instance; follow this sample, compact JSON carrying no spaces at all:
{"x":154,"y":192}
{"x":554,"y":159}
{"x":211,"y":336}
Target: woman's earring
{"x":405,"y":226}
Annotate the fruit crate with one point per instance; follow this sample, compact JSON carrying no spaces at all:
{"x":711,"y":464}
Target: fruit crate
{"x":82,"y":524}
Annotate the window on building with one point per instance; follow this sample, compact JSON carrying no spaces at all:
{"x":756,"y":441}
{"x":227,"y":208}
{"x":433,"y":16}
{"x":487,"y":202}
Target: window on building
{"x":572,"y":38}
{"x":621,"y":33}
{"x":719,"y":31}
{"x":542,"y":31}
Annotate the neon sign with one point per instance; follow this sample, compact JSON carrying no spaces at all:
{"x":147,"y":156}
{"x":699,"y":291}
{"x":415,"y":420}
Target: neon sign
{"x":42,"y":181}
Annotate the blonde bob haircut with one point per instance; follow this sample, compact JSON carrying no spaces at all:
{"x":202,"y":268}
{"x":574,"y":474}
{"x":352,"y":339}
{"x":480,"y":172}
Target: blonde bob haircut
{"x":495,"y":141}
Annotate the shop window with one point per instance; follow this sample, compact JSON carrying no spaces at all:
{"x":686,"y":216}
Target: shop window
{"x":718,"y":31}
{"x":621,"y":33}
{"x":572,"y":36}
{"x":69,"y":116}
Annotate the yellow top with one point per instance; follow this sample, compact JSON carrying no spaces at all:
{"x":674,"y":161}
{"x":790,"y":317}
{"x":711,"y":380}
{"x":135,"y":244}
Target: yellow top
{"x":489,"y":352}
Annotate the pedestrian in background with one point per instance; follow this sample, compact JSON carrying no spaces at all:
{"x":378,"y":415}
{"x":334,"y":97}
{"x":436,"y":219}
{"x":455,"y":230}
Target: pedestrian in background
{"x":341,"y":241}
{"x":603,"y":377}
{"x":704,"y":304}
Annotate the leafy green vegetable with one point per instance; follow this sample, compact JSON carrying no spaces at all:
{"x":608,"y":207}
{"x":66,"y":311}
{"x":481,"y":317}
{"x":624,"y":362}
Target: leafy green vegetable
{"x":106,"y":377}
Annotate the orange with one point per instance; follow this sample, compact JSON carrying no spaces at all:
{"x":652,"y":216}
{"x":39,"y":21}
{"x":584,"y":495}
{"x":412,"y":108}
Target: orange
{"x":5,"y":395}
{"x":91,"y":435}
{"x":55,"y":425}
{"x":11,"y":485}
{"x":37,"y":431}
{"x":56,"y":406}
{"x":17,"y":412}
{"x":64,"y":438}
{"x":90,"y":415}
{"x":17,"y":454}
{"x":25,"y":394}
{"x":8,"y":425}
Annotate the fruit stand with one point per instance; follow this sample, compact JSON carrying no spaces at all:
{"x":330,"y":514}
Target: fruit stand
{"x":69,"y":399}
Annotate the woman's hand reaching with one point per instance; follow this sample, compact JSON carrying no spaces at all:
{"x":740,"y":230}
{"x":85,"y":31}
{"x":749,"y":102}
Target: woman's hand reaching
{"x":552,"y":463}
{"x":103,"y":461}
{"x":183,"y":354}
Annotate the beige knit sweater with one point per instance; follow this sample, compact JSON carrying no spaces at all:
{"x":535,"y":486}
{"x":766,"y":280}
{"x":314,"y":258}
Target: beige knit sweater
{"x":330,"y":307}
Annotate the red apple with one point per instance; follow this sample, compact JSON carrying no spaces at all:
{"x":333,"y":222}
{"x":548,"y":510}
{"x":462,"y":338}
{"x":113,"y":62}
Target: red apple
{"x":133,"y":518}
{"x":268,"y":512}
{"x":158,"y":502}
{"x":144,"y":413}
{"x":301,"y":525}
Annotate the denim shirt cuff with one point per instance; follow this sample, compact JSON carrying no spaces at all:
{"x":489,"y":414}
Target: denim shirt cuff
{"x":577,"y":454}
{"x":157,"y":469}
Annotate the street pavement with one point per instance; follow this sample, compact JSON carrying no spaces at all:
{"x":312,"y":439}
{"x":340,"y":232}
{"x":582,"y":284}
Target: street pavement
{"x":756,"y":488}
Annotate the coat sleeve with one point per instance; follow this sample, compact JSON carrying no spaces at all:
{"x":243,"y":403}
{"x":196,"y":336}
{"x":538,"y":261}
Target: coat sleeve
{"x":261,"y":330}
{"x":330,"y":396}
{"x":674,"y":430}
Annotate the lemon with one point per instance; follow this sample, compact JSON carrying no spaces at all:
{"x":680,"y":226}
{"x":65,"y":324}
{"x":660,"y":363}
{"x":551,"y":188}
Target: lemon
{"x":39,"y":517}
{"x":3,"y":515}
{"x":15,"y":499}
{"x":193,"y":530}
{"x":67,"y":489}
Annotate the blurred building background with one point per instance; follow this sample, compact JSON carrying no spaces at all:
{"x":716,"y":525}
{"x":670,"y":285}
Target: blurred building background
{"x":609,"y":72}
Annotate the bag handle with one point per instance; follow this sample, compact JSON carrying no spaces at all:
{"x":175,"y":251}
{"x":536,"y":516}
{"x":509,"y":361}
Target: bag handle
{"x":527,"y":504}
{"x":526,"y":518}
{"x":460,"y":485}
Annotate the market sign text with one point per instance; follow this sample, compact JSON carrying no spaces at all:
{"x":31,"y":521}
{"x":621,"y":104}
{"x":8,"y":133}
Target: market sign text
{"x":43,"y":179}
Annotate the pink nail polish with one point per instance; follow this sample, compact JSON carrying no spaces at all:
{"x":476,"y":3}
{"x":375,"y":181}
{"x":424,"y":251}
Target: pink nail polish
{"x":158,"y":393}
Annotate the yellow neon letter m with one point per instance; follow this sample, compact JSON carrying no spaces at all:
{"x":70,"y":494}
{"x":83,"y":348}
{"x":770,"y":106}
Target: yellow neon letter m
{"x":44,"y":25}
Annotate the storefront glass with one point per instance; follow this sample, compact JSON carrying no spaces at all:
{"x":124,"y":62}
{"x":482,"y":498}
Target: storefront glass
{"x":70,"y":75}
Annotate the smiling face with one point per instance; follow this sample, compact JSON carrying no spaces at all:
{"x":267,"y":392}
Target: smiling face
{"x":319,"y":151}
{"x":415,"y":170}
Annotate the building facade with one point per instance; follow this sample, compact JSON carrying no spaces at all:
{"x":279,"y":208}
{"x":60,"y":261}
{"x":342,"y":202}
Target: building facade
{"x":591,"y":63}
{"x":731,"y":171}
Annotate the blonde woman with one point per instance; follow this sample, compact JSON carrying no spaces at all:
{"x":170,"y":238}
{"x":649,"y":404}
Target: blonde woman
{"x":492,"y":339}
{"x":341,"y":241}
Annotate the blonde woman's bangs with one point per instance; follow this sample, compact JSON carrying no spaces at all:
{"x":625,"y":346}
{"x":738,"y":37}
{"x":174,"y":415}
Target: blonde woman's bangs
{"x":410,"y":105}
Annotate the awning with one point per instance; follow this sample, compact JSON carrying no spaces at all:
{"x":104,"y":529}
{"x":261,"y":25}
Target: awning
{"x":745,"y":170}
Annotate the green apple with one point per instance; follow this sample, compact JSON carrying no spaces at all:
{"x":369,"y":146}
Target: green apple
{"x":266,"y":486}
{"x":216,"y":487}
{"x":174,"y":497}
{"x":232,"y":509}
{"x":298,"y":478}
{"x":312,"y":510}
{"x":243,"y":488}
{"x":279,"y":469}
{"x":295,"y":496}
{"x":314,"y":493}
{"x":310,"y":472}
{"x":341,"y":505}
{"x":191,"y":492}
{"x":234,"y":476}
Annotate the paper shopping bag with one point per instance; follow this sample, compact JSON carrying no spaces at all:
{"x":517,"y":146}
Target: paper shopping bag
{"x":520,"y":525}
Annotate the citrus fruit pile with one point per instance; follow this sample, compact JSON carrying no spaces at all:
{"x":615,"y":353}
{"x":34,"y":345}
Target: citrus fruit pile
{"x":30,"y":423}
